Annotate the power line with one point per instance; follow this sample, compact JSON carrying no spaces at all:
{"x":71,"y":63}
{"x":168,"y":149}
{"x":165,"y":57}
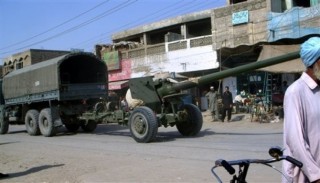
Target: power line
{"x":55,"y":27}
{"x":148,"y":17}
{"x":140,"y":19}
{"x":105,"y":13}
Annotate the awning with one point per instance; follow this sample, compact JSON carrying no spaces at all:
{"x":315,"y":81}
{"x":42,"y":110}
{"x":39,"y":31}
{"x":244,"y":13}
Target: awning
{"x":117,"y":85}
{"x":292,"y":66}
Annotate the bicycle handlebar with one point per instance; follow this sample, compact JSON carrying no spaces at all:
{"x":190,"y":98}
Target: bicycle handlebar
{"x":228,"y":164}
{"x":245,"y":162}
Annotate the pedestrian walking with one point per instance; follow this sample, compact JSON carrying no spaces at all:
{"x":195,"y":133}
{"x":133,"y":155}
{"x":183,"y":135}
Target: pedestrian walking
{"x":213,"y":103}
{"x":302,"y":118}
{"x":227,"y":104}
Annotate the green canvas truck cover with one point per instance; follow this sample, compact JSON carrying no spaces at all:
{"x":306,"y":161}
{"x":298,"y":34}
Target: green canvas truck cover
{"x":49,"y":79}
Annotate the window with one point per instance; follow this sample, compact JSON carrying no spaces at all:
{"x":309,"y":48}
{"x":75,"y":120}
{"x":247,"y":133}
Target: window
{"x":280,"y":6}
{"x":19,"y":65}
{"x":236,"y":1}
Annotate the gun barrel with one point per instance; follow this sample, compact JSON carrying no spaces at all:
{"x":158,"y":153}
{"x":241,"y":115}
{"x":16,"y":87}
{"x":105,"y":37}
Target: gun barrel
{"x":237,"y":70}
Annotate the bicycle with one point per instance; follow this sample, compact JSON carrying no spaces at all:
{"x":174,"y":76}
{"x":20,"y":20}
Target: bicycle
{"x":275,"y":152}
{"x":258,"y":110}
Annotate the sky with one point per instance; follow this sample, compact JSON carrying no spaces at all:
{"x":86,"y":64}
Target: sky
{"x":81,"y":24}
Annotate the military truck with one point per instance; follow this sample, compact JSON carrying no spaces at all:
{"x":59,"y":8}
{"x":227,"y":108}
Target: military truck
{"x":53,"y":93}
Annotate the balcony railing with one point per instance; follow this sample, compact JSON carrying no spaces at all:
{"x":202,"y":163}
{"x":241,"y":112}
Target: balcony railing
{"x":167,"y":47}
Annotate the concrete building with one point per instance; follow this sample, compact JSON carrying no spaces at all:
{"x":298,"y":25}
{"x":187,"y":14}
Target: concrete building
{"x":203,"y":42}
{"x":29,"y":57}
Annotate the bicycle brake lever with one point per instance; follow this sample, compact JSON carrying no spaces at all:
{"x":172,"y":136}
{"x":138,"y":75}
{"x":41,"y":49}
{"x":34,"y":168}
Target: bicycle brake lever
{"x":293,"y":161}
{"x":226,"y":165}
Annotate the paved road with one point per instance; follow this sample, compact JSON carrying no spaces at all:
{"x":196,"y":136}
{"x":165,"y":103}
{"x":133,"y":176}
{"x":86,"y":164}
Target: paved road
{"x":111,"y":155}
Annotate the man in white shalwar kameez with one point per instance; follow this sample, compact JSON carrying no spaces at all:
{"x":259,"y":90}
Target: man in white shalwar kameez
{"x":302,"y":118}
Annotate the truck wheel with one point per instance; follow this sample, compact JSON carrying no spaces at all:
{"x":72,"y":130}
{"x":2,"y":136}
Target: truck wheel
{"x":193,"y":123}
{"x":46,"y":123}
{"x":4,"y":123}
{"x":90,"y":126}
{"x":31,"y":122}
{"x":143,"y":124}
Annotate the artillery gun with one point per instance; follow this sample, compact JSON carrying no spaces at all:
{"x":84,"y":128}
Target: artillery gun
{"x":161,"y":103}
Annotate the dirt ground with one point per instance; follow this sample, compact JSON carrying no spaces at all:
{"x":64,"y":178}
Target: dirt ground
{"x":111,"y":155}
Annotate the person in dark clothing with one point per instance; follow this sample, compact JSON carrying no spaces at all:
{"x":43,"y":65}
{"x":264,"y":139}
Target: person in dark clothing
{"x":227,"y":104}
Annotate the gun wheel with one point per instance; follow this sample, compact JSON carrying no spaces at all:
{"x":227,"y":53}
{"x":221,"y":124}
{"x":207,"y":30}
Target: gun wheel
{"x":143,"y":124}
{"x":4,"y":123}
{"x":192,"y":124}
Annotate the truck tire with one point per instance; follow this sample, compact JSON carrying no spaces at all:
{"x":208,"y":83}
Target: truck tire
{"x":90,"y":126}
{"x":143,"y":124}
{"x":46,"y":123}
{"x":31,"y":122}
{"x":193,"y":123}
{"x":4,"y":123}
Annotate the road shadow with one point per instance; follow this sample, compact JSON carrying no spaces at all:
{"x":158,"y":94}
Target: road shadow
{"x":17,"y":131}
{"x":112,"y":129}
{"x":254,"y":134}
{"x":162,"y":135}
{"x":30,"y":171}
{"x":173,"y":135}
{"x":5,"y":143}
{"x":102,"y":129}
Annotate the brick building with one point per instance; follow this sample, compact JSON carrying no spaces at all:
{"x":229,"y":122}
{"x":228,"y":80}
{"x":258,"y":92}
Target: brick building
{"x":29,"y":57}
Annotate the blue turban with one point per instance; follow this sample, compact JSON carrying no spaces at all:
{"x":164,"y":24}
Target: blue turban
{"x":310,"y":51}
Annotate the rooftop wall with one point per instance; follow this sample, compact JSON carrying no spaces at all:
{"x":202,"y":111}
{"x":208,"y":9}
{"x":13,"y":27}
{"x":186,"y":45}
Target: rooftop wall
{"x":161,"y":24}
{"x":226,"y":34}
